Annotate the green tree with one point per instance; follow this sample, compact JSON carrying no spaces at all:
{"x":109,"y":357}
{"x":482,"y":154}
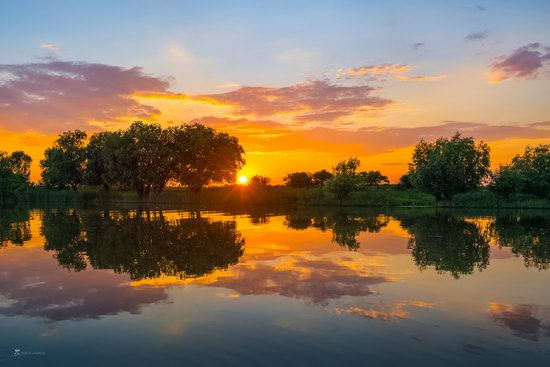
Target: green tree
{"x":508,"y":181}
{"x":534,"y":165}
{"x":14,"y":176}
{"x":203,"y":156}
{"x":298,"y":179}
{"x":449,"y":166}
{"x":319,"y":178}
{"x":63,"y":164}
{"x":345,"y":179}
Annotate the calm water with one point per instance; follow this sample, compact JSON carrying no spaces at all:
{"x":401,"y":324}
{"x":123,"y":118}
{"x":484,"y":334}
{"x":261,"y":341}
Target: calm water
{"x":302,"y":288}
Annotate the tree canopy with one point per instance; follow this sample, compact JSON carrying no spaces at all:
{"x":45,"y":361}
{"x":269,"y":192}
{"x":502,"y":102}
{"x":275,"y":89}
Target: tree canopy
{"x":449,"y":166}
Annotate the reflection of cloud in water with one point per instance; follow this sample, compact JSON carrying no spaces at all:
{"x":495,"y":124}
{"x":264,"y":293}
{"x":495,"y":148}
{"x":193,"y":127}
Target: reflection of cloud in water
{"x":33,"y":285}
{"x":524,"y":321}
{"x":314,"y":279}
{"x":383,"y":311}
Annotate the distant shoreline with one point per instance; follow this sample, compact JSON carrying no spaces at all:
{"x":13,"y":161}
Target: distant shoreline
{"x":282,"y":196}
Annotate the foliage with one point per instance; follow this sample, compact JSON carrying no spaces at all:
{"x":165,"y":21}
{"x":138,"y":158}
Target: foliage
{"x":508,"y":181}
{"x":447,"y":243}
{"x":372,"y":178}
{"x":259,"y":181}
{"x":449,"y":166}
{"x":534,"y":166}
{"x":202,"y":156}
{"x":298,"y":179}
{"x":144,"y":245}
{"x":345,"y":179}
{"x":63,"y":164}
{"x":14,"y":176}
{"x":320,"y":177}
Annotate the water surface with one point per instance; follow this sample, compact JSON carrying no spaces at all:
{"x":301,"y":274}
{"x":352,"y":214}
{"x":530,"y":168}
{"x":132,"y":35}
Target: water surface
{"x":316,"y":287}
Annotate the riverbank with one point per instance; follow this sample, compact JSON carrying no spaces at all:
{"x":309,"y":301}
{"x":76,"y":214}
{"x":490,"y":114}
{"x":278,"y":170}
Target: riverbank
{"x":237,"y":195}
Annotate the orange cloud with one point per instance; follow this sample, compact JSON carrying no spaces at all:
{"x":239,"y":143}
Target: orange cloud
{"x":398,"y":71}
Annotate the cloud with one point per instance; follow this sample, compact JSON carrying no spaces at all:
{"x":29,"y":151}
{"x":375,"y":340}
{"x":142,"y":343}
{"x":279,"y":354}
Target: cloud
{"x":309,"y":101}
{"x":384,"y":71}
{"x":33,"y":285}
{"x":418,"y":45}
{"x":50,"y":46}
{"x":477,"y":36}
{"x":61,"y":95}
{"x":525,"y":62}
{"x":315,"y":280}
{"x":525,"y":321}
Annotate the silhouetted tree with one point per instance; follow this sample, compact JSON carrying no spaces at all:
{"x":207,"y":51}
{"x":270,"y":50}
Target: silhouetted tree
{"x":372,"y":178}
{"x":63,"y":164}
{"x":201,"y":156}
{"x":449,"y":166}
{"x":298,"y":179}
{"x":320,"y":177}
{"x":259,"y":181}
{"x":345,"y":179}
{"x":98,"y":151}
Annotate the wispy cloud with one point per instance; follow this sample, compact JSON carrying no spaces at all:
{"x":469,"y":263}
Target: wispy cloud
{"x":50,"y":46}
{"x":477,"y":36}
{"x":525,"y":62}
{"x":418,"y":45}
{"x":383,"y":71}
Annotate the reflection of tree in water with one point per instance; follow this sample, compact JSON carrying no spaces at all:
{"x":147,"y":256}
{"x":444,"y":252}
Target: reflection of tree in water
{"x":345,"y":226}
{"x":528,"y":236}
{"x":14,"y":227}
{"x":447,"y":243}
{"x":144,"y":245}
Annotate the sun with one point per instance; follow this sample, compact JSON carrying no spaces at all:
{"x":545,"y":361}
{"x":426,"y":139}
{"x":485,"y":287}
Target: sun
{"x":243,"y":180}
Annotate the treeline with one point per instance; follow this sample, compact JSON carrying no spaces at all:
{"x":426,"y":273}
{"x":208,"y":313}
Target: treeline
{"x":143,"y":158}
{"x":444,"y":168}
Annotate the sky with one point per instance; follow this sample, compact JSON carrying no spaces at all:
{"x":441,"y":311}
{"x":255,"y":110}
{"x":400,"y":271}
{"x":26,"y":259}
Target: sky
{"x":302,"y":84}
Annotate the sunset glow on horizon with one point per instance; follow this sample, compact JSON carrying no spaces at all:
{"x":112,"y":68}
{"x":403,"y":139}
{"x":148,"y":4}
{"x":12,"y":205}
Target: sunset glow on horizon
{"x":358,"y":79}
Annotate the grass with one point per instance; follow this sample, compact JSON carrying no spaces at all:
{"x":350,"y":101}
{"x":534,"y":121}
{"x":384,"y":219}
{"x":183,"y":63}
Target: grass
{"x":282,"y":196}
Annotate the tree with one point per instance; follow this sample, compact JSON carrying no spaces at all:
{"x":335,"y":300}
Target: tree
{"x":508,"y":181}
{"x":203,"y":156}
{"x":298,"y":179}
{"x":319,"y":178}
{"x":14,"y":175}
{"x":345,"y":179}
{"x":97,"y":152}
{"x":449,"y":166}
{"x":373,"y":178}
{"x":534,"y":165}
{"x":259,"y":181}
{"x":63,"y":164}
{"x":139,"y":158}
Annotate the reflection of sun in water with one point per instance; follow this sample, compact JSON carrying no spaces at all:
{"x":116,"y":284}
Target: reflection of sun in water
{"x":243,"y":180}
